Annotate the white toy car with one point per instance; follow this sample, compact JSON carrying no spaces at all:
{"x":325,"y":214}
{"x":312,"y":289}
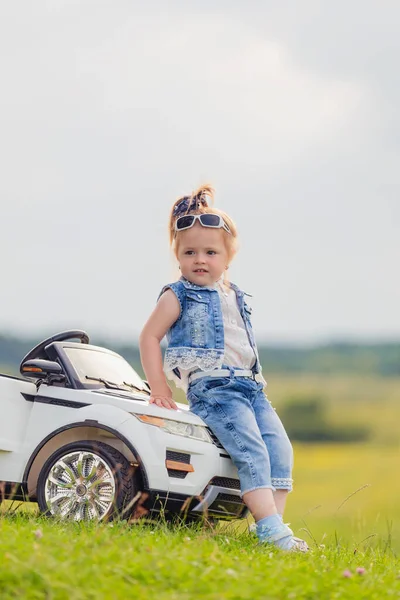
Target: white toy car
{"x":79,"y":437}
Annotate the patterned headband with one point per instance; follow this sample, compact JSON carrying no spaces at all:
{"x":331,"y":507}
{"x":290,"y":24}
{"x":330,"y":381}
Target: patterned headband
{"x":188,"y":203}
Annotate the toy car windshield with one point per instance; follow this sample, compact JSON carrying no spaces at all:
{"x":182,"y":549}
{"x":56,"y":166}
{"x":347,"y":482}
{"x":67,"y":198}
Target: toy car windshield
{"x":109,"y":369}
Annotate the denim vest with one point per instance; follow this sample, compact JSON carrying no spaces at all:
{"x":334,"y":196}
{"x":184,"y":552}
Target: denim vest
{"x":196,"y":339}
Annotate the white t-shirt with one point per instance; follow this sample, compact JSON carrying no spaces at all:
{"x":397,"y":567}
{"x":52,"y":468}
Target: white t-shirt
{"x":237,"y":352}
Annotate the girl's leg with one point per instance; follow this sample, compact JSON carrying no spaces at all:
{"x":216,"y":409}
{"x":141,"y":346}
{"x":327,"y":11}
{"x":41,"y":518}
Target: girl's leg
{"x":228,"y":411}
{"x":260,"y":503}
{"x":280,"y":497}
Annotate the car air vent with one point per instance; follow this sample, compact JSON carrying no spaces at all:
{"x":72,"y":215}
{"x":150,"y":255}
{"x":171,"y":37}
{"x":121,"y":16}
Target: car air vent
{"x":228,"y":498}
{"x":178,"y":456}
{"x":226,"y":482}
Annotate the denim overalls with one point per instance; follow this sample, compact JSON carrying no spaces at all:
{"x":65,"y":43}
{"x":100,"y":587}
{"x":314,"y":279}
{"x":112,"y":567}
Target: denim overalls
{"x":235,"y":408}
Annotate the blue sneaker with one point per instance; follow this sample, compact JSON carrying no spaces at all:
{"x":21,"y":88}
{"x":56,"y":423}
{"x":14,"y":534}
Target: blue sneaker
{"x":272,"y":530}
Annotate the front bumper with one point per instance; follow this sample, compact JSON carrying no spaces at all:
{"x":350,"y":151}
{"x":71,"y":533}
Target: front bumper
{"x":207,"y":484}
{"x":217,"y":502}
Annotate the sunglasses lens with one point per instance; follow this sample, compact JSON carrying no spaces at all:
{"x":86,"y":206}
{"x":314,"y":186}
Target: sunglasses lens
{"x":184,"y":222}
{"x":210,"y":220}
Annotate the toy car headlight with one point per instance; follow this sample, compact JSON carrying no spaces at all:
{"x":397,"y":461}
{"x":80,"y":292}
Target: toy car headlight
{"x":195,"y":432}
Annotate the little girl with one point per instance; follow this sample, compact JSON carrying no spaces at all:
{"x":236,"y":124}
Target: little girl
{"x":213,"y":356}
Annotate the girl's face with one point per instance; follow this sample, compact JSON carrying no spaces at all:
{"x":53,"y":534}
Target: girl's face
{"x":202,"y":254}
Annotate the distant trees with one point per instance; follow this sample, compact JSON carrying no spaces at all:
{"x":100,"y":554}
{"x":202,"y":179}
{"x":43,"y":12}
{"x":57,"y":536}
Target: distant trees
{"x":305,"y":419}
{"x":335,"y":358}
{"x":362,"y":359}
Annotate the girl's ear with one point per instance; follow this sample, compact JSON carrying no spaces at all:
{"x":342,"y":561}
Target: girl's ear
{"x":227,"y":267}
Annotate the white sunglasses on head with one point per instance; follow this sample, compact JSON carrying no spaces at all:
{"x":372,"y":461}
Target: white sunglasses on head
{"x":205,"y":219}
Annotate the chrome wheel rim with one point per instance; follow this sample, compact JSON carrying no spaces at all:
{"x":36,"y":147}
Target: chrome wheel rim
{"x":80,"y":486}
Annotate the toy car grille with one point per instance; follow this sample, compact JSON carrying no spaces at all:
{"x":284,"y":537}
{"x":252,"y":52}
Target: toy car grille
{"x":228,"y":498}
{"x":226,"y":482}
{"x":227,"y":505}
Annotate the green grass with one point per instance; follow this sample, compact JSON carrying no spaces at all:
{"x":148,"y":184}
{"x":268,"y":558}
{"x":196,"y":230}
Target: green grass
{"x":40,"y":558}
{"x":346,"y":503}
{"x":326,"y":475}
{"x":45,"y":559}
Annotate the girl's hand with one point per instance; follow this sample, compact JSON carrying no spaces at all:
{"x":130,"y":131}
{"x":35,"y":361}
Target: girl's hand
{"x":163,"y":401}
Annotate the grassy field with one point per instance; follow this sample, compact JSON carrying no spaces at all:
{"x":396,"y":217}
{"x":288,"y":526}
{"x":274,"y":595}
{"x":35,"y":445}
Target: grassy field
{"x":40,"y":558}
{"x":372,"y":402}
{"x":326,"y":474}
{"x":347,"y":493}
{"x":346,"y":504}
{"x":43,"y":559}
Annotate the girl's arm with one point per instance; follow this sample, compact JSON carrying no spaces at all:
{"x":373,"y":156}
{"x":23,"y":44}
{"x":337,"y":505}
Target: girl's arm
{"x":162,"y":318}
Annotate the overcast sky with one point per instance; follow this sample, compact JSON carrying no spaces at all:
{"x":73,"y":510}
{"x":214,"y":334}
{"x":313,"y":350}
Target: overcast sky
{"x":109,"y":110}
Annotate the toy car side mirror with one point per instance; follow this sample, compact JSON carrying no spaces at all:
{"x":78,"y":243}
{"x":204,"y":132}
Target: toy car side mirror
{"x":40,"y":369}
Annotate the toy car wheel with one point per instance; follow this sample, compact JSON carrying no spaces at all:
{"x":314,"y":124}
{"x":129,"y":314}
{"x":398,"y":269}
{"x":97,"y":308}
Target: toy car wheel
{"x":86,"y":480}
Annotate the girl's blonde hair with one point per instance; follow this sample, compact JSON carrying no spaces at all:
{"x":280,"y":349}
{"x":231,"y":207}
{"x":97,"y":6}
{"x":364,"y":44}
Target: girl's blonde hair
{"x":195,"y":204}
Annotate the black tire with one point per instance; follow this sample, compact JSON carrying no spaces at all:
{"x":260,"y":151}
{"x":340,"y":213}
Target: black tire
{"x":118,"y":474}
